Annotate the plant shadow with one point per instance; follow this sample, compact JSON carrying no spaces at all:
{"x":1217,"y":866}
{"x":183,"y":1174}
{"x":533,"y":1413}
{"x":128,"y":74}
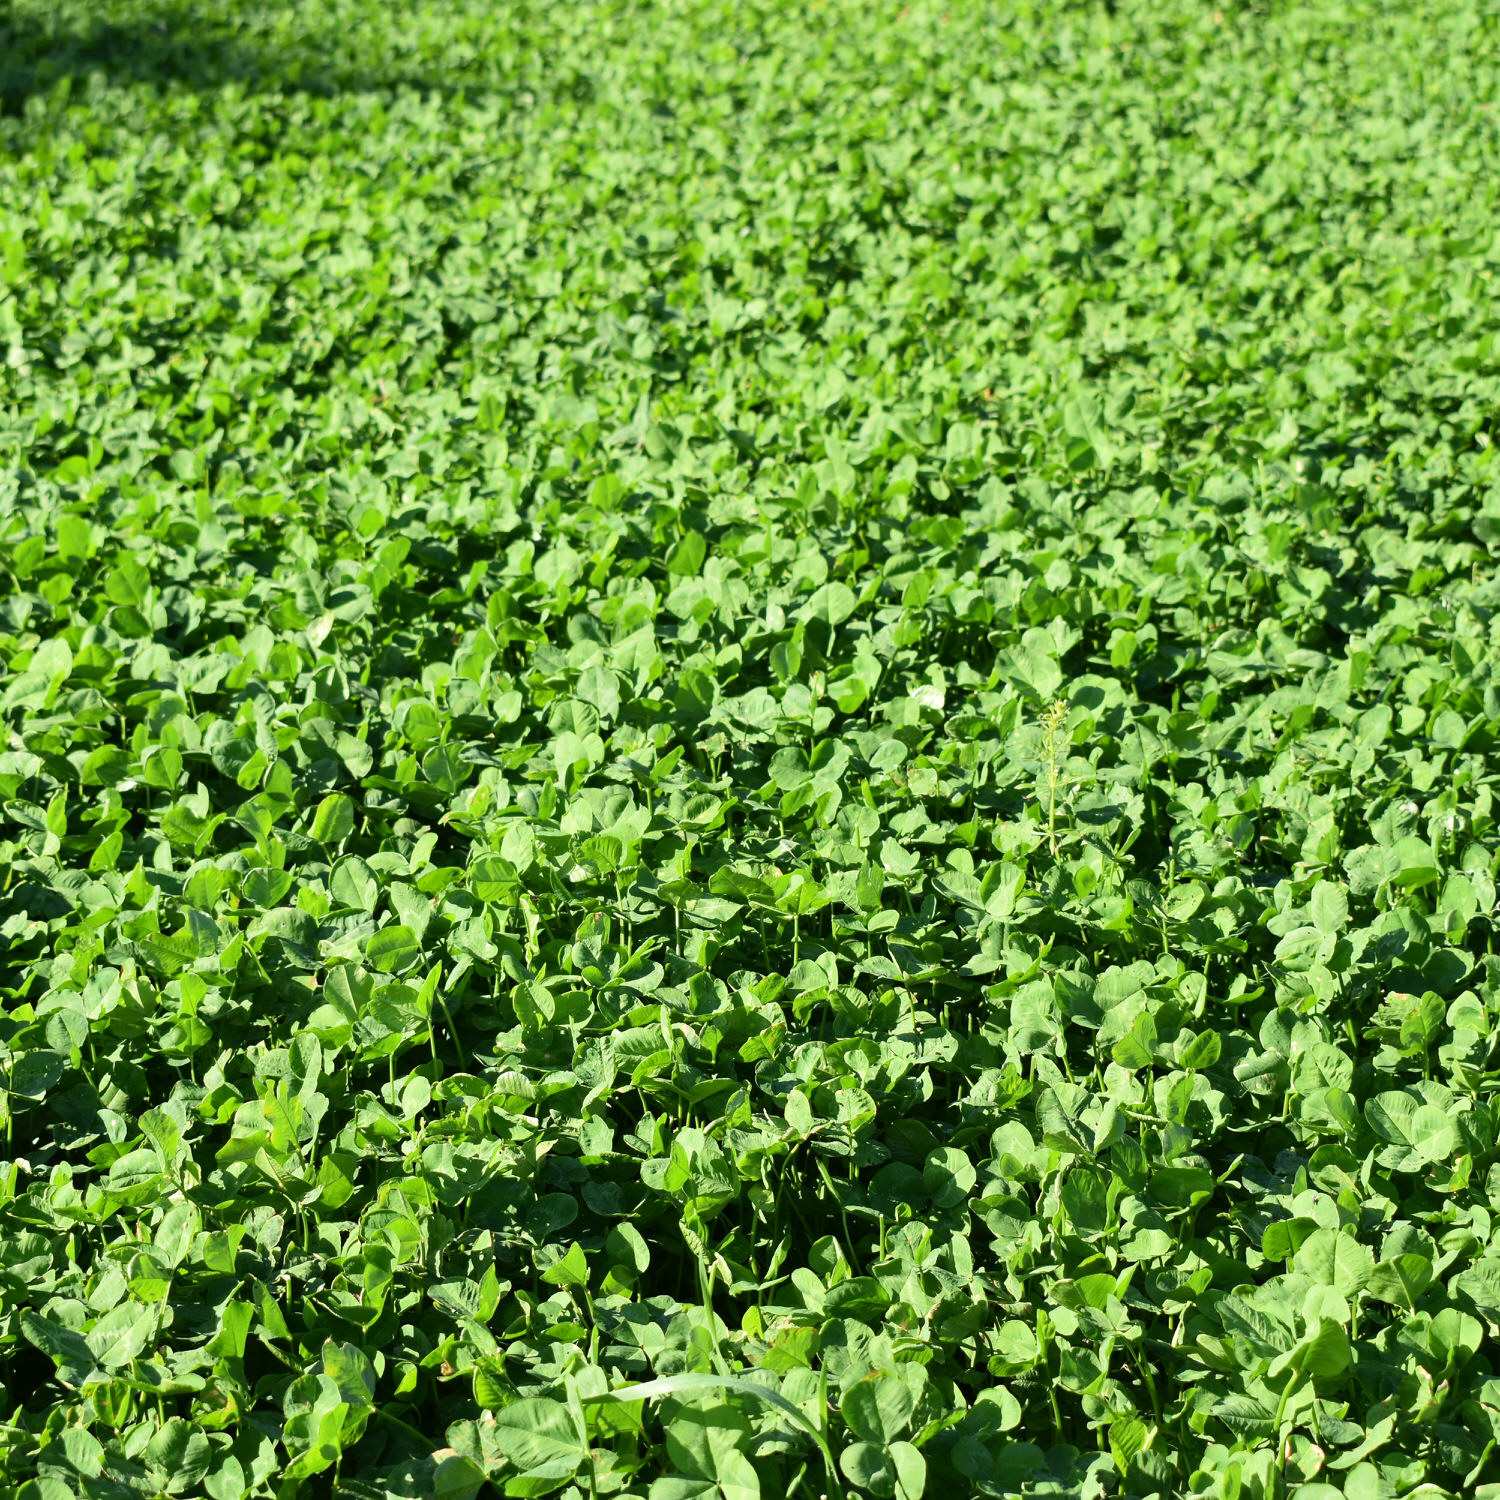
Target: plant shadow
{"x":208,"y":47}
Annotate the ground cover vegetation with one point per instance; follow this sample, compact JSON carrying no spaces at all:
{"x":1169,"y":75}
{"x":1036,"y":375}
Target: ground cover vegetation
{"x":749,"y":750}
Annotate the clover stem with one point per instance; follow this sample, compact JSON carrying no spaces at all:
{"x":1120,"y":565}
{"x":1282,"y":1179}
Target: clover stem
{"x":1287,"y":1390}
{"x":1144,"y":1367}
{"x":463,"y":1057}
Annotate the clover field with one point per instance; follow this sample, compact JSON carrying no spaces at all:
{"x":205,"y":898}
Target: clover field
{"x":749,"y":750}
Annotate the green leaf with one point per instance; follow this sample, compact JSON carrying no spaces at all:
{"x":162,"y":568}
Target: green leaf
{"x":127,"y":583}
{"x":1401,"y":1280}
{"x":350,"y":1369}
{"x":1286,"y":1236}
{"x":1128,"y":1437}
{"x":1331,"y":1258}
{"x":869,"y":1466}
{"x":539,"y":1437}
{"x":1325,"y":1355}
{"x":878,"y":1408}
{"x":686,"y":556}
{"x":1202,"y":1052}
{"x":698,"y":1384}
{"x":1413,"y":863}
{"x":392,"y":950}
{"x":74,"y":538}
{"x":178,"y":1456}
{"x":832,"y":604}
{"x":69,"y":1351}
{"x":354,"y":884}
{"x":493,"y":878}
{"x":911,"y":1470}
{"x":334,"y":820}
{"x":571,"y":1270}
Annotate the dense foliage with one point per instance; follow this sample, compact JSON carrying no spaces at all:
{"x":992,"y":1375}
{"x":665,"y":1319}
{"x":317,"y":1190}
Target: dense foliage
{"x":749,"y":749}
